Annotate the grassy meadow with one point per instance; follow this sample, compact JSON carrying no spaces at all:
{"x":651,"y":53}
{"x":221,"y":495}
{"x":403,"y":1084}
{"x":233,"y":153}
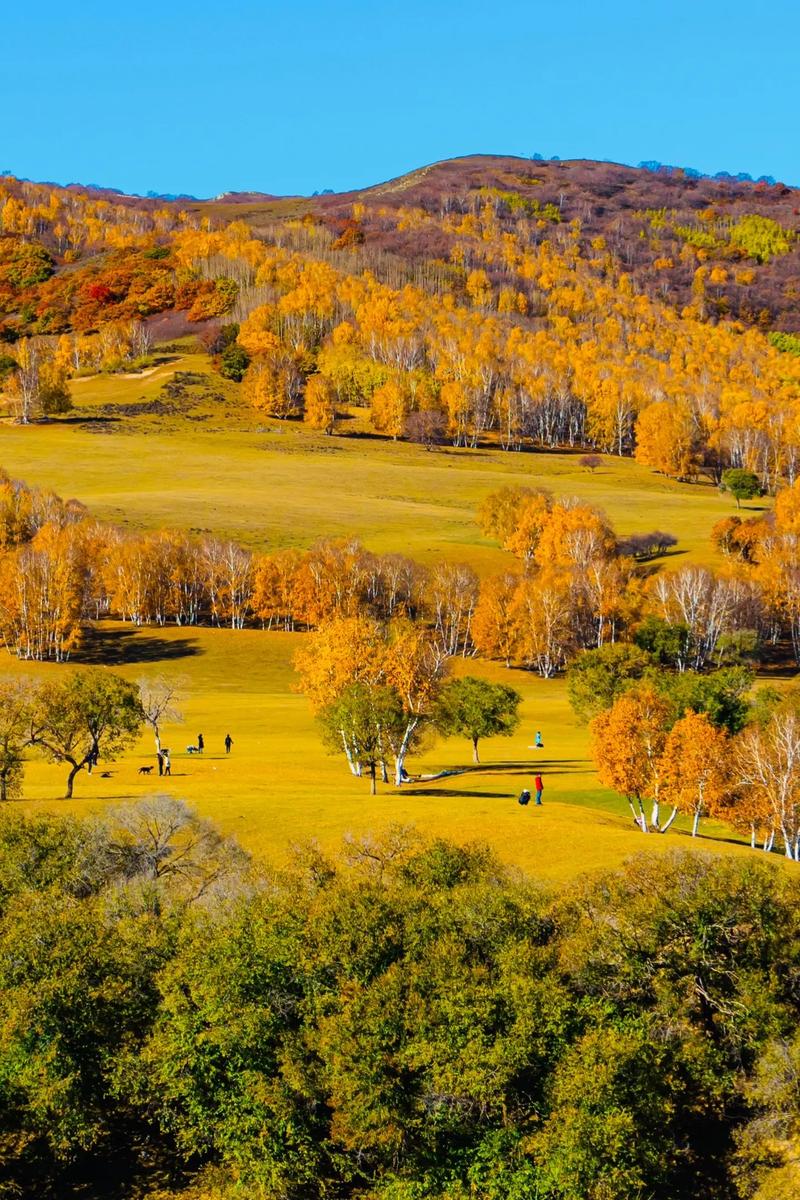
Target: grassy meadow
{"x":139,"y":457}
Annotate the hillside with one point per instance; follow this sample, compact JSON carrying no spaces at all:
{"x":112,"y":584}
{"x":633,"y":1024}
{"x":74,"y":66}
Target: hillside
{"x":659,"y":225}
{"x":653,"y":222}
{"x":383,"y":415}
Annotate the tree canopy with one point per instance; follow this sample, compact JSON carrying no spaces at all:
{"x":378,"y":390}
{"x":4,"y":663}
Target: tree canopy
{"x":405,"y":1020}
{"x":475,"y":708}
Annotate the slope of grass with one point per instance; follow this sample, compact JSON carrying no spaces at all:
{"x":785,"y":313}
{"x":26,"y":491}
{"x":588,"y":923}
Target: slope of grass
{"x":279,"y":788}
{"x":211,"y":464}
{"x":146,"y":457}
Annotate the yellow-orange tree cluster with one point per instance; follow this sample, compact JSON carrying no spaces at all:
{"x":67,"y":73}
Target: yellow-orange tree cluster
{"x":751,"y":779}
{"x":577,"y":589}
{"x":574,"y":356}
{"x":59,"y":568}
{"x":527,"y":334}
{"x":575,"y":586}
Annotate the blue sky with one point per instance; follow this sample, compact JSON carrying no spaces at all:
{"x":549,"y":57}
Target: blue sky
{"x":290,"y":98}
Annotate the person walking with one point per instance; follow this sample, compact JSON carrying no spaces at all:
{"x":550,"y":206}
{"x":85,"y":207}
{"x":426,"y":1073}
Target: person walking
{"x":160,"y":758}
{"x":200,"y":743}
{"x":538,"y":788}
{"x":167,"y":763}
{"x":228,"y":743}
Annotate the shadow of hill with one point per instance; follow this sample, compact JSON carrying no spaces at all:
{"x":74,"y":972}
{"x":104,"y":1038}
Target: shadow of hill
{"x":120,"y":647}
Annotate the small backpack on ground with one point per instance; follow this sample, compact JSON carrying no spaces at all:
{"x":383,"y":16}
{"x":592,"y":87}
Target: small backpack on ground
{"x":524,"y":797}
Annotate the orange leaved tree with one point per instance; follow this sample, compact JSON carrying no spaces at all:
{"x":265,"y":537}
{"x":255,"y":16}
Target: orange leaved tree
{"x":402,"y":658}
{"x":696,"y":767}
{"x":627,"y":745}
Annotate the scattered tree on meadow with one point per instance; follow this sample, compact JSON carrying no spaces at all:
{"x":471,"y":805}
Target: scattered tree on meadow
{"x":16,"y":697}
{"x":742,"y":484}
{"x":425,"y":426}
{"x":320,"y":404}
{"x":367,"y":723}
{"x":696,"y":775}
{"x":627,"y":747}
{"x":475,"y":708}
{"x":85,"y":716}
{"x":590,"y":462}
{"x":403,"y":658}
{"x":162,"y":840}
{"x":767,"y":767}
{"x":159,"y":702}
{"x":597,"y":677}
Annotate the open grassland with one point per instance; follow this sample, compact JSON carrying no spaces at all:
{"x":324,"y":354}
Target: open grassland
{"x":197,"y":460}
{"x":203,"y":462}
{"x":279,"y":788}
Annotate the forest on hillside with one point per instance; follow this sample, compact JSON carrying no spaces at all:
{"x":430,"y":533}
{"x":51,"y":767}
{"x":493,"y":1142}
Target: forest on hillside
{"x":486,"y":312}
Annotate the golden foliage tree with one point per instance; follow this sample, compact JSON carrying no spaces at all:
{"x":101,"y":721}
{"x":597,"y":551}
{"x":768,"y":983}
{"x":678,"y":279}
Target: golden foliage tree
{"x":695,"y":771}
{"x":627,"y":746}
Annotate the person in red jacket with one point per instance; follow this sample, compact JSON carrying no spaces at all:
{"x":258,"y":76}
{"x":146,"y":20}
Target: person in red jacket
{"x":539,"y":786}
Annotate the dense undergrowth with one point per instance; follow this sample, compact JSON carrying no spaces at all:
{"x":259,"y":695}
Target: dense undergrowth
{"x":408,"y":1021}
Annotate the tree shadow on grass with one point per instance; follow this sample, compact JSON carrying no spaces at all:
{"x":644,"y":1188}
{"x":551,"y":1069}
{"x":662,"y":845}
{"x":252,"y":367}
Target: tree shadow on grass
{"x":562,"y":766}
{"x":455,"y":794}
{"x":87,"y":418}
{"x":121,"y":647}
{"x":727,"y":839}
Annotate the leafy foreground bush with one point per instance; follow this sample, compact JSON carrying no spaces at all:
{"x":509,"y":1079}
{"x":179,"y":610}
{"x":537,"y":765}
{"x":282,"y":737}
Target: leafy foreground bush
{"x":410,"y":1022}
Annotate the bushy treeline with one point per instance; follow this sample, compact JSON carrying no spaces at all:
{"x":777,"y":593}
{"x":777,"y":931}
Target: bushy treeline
{"x":409,"y":1022}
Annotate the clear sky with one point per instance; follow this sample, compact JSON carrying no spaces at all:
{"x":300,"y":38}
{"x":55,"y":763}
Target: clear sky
{"x":203,"y":97}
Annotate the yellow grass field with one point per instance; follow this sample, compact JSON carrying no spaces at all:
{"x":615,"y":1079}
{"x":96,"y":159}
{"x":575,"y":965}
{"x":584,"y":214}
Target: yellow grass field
{"x":219,"y":467}
{"x":279,"y":788}
{"x":210,"y":466}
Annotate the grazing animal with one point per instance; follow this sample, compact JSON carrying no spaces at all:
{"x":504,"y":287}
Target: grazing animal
{"x":145,"y":770}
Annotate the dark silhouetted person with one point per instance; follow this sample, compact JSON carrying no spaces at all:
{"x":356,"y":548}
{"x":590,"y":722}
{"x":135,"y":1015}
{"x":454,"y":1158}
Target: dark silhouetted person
{"x":228,"y":743}
{"x":200,"y":743}
{"x":160,"y":757}
{"x":167,"y":763}
{"x":539,"y":788}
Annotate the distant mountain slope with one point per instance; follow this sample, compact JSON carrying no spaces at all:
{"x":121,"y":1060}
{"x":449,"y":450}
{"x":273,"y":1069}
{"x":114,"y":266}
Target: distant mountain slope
{"x":726,"y":247}
{"x":662,"y":226}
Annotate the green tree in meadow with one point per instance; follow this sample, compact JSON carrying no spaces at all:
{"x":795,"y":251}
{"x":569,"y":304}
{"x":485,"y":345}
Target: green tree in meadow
{"x":475,"y":708}
{"x":87,"y":715}
{"x":16,"y":698}
{"x":366,"y":722}
{"x":742,"y":485}
{"x":597,"y":677}
{"x":667,"y":642}
{"x":234,"y":361}
{"x":722,"y":695}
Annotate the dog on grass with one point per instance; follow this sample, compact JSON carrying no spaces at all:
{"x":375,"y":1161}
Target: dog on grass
{"x":145,"y":770}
